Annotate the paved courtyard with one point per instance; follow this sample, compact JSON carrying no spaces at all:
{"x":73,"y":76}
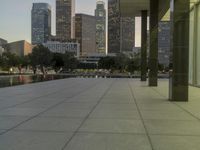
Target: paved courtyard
{"x":97,"y":114}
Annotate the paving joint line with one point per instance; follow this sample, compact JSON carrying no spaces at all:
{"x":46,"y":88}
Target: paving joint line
{"x":93,"y":85}
{"x":92,"y":110}
{"x":143,"y":122}
{"x":34,"y":83}
{"x":36,"y":98}
{"x":164,"y":134}
{"x":185,"y":110}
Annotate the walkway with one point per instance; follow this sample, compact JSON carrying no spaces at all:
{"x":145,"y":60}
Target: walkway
{"x":97,"y":114}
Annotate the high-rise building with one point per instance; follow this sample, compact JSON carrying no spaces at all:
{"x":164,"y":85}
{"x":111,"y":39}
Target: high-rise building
{"x":65,"y":13}
{"x":41,"y":23}
{"x":100,"y":14}
{"x":113,"y":26}
{"x":127,"y":34}
{"x":164,"y":43}
{"x":20,"y":48}
{"x":121,"y":30}
{"x":86,"y":33}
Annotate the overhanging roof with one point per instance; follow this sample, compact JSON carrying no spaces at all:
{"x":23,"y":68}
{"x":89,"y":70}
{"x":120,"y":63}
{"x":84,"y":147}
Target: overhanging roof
{"x":134,"y":7}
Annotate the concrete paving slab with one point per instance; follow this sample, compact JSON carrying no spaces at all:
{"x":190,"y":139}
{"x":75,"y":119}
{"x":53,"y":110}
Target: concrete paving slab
{"x":10,"y":122}
{"x":21,"y":140}
{"x":21,"y":111}
{"x":1,"y":131}
{"x":173,"y":127}
{"x":116,"y":100}
{"x":159,"y":107}
{"x":115,"y":107}
{"x":166,"y":115}
{"x":51,"y":124}
{"x":108,"y":142}
{"x":113,"y":126}
{"x":68,"y":113}
{"x":83,"y":100}
{"x":175,"y":142}
{"x":39,"y":104}
{"x":115,"y":114}
{"x":115,"y":120}
{"x":4,"y":105}
{"x":76,"y":105}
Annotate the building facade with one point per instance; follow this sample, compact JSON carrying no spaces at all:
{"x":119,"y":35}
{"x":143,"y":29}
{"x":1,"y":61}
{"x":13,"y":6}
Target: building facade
{"x":20,"y":48}
{"x":65,"y":13}
{"x":2,"y":42}
{"x":86,"y":33}
{"x":194,"y":53}
{"x":59,"y":47}
{"x":41,"y":23}
{"x":100,"y":14}
{"x":113,"y":26}
{"x":164,"y":43}
{"x":2,"y":45}
{"x":1,"y":50}
{"x":127,"y":34}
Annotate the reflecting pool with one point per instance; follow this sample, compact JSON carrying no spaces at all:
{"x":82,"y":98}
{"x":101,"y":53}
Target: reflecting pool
{"x":13,"y":80}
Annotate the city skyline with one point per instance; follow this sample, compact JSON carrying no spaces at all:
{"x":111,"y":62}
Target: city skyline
{"x":13,"y":10}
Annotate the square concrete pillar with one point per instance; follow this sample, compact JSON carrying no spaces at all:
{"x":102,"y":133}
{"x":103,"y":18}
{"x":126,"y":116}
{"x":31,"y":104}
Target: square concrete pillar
{"x":153,"y":53}
{"x":180,"y":50}
{"x":144,"y":45}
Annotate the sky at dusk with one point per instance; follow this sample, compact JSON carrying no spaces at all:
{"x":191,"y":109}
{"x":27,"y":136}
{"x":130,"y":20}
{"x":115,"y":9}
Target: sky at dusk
{"x":15,"y":17}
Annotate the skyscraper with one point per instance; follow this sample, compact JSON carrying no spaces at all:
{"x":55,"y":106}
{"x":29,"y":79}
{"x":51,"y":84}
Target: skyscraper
{"x":100,"y":14}
{"x":113,"y":26}
{"x":127,"y":34}
{"x":65,"y":25}
{"x":164,"y":43}
{"x":41,"y":23}
{"x":85,"y":33}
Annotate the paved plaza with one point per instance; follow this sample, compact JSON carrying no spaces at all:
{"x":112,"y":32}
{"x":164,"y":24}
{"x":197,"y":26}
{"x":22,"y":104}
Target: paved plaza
{"x":97,"y":114}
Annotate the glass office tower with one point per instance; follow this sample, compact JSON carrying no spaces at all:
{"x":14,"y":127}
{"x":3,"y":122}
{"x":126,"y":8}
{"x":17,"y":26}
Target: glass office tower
{"x":41,"y":23}
{"x":65,"y":24}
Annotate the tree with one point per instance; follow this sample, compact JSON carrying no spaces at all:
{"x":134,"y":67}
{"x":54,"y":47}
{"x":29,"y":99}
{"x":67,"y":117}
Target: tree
{"x":9,"y":60}
{"x":40,"y":56}
{"x":107,"y":63}
{"x":121,"y":61}
{"x":161,"y":67}
{"x":57,"y":61}
{"x":25,"y":61}
{"x":1,"y":61}
{"x":70,"y":62}
{"x":131,"y":66}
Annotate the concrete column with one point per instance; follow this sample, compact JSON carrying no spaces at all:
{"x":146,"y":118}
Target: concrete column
{"x":153,"y":53}
{"x":195,"y":43}
{"x":144,"y":46}
{"x":180,"y":50}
